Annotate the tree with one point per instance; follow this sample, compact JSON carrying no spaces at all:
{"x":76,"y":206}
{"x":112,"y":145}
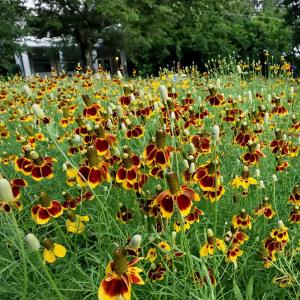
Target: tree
{"x":84,"y":22}
{"x":292,"y":18}
{"x":11,"y":27}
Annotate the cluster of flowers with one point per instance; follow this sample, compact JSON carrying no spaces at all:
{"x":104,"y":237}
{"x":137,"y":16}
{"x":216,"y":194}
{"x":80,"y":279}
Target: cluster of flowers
{"x":127,"y":136}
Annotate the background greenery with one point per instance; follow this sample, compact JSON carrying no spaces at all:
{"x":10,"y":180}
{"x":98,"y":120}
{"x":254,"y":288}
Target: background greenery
{"x":157,"y":33}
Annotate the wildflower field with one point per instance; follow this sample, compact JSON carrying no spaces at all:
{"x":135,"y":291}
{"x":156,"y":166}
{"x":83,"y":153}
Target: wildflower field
{"x":181,"y":186}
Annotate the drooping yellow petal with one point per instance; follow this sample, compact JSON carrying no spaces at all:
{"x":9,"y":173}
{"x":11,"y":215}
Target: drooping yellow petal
{"x":49,"y":256}
{"x":221,"y":245}
{"x":84,"y":218}
{"x":252,"y":180}
{"x":151,"y":255}
{"x":59,"y":250}
{"x":75,"y":227}
{"x":204,"y":251}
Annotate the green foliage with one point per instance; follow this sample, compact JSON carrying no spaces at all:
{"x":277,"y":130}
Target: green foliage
{"x":11,"y":17}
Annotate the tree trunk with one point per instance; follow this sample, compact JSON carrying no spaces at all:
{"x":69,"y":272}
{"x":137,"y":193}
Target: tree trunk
{"x":85,"y":48}
{"x":86,"y":55}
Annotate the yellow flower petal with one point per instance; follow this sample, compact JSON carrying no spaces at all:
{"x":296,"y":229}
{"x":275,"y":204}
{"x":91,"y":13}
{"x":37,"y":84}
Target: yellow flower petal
{"x":59,"y":250}
{"x":49,"y":256}
{"x":204,"y":250}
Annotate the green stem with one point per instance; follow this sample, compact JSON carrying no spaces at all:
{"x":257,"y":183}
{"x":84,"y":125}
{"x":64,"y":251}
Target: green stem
{"x":23,"y":255}
{"x":51,"y":280}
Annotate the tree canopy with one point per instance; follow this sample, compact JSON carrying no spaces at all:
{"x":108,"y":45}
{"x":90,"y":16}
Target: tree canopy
{"x":156,"y":33}
{"x":11,"y":27}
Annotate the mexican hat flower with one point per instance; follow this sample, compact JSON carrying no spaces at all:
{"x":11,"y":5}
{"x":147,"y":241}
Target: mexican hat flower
{"x":52,"y":251}
{"x":212,"y":243}
{"x":265,"y":209}
{"x":103,"y":141}
{"x":236,"y":237}
{"x":279,"y":110}
{"x":135,"y":132}
{"x":208,"y":176}
{"x":253,"y":156}
{"x":40,"y":167}
{"x":75,"y":223}
{"x":201,"y":143}
{"x":280,"y":146}
{"x":42,"y":213}
{"x":93,"y":172}
{"x":156,"y":272}
{"x":176,"y":195}
{"x":91,"y":110}
{"x":214,"y":98}
{"x":128,"y":172}
{"x":120,"y":276}
{"x":125,"y":99}
{"x":244,"y":181}
{"x":158,"y":154}
{"x":233,"y":253}
{"x":275,"y":243}
{"x":294,"y":197}
{"x":242,"y":221}
{"x":244,"y":135}
{"x":294,"y":217}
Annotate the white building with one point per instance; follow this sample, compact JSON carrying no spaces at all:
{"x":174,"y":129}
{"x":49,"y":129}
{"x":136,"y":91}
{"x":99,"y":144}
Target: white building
{"x":44,"y":54}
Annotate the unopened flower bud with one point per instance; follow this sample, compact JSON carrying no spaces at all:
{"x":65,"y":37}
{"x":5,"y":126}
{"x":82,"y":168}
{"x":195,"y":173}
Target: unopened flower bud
{"x":210,"y":233}
{"x":172,"y":115}
{"x":281,"y":224}
{"x":215,"y":133}
{"x":132,"y":98}
{"x":193,"y":149}
{"x":218,"y":83}
{"x":32,"y":242}
{"x":192,"y":168}
{"x":88,"y":127}
{"x":27,"y":90}
{"x":6,"y":193}
{"x":239,"y":69}
{"x":186,"y":164}
{"x":266,"y":118}
{"x":163,"y":92}
{"x":119,"y":74}
{"x":155,"y":106}
{"x":109,"y":110}
{"x":135,"y":241}
{"x":257,"y":173}
{"x":261,"y":184}
{"x":119,"y":112}
{"x":109,"y":123}
{"x":76,"y":139}
{"x":250,"y":96}
{"x":123,"y":126}
{"x":274,"y":178}
{"x":38,"y":111}
{"x":173,"y":236}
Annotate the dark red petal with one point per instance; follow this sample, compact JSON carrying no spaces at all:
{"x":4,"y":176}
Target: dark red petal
{"x":160,"y":158}
{"x":95,"y":175}
{"x":115,"y":287}
{"x":101,"y":145}
{"x":121,"y":174}
{"x":84,"y":173}
{"x":167,"y":204}
{"x":43,"y":213}
{"x":184,"y":203}
{"x":36,"y":172}
{"x":46,"y":170}
{"x":55,"y":208}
